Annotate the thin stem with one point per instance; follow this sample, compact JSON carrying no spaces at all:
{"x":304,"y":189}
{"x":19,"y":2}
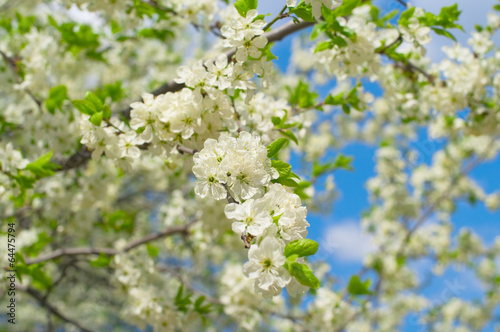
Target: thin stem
{"x":278,"y":17}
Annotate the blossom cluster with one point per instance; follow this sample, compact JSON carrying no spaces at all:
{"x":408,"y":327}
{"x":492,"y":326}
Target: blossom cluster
{"x":238,"y":164}
{"x":201,"y":110}
{"x":266,"y":215}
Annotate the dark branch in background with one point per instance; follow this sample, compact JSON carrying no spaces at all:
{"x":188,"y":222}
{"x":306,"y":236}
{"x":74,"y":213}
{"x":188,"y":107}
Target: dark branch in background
{"x":272,"y":36}
{"x":405,"y":65}
{"x":76,"y":160}
{"x":44,"y":303}
{"x":12,"y":64}
{"x":83,"y":155}
{"x":430,"y":209}
{"x":111,"y":251}
{"x":402,"y":3}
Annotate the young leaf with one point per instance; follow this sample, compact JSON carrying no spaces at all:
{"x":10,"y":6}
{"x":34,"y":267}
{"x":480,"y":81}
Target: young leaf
{"x":282,"y":167}
{"x":182,"y":302}
{"x":56,"y":97}
{"x":290,"y":135}
{"x":243,"y":6}
{"x":356,"y":287}
{"x":301,"y":247}
{"x":275,"y":147}
{"x":106,"y":112}
{"x":303,"y":274}
{"x":102,"y":261}
{"x":84,"y":106}
{"x":42,"y":167}
{"x":96,"y":118}
{"x":303,"y":11}
{"x":91,"y":97}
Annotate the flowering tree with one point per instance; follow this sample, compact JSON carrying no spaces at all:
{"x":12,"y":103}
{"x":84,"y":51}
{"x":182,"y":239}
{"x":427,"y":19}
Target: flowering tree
{"x":183,"y":212}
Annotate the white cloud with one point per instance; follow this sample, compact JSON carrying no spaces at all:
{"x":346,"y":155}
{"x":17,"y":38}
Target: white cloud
{"x":346,"y":242}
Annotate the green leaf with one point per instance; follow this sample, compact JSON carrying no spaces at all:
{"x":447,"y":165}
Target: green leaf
{"x":6,"y":23}
{"x":303,"y":274}
{"x":303,"y":11}
{"x":24,"y":23}
{"x":445,"y":33}
{"x":326,"y":45}
{"x":199,"y":308}
{"x":96,"y":101}
{"x":42,"y":167}
{"x":282,"y":167}
{"x":404,"y":18}
{"x":343,"y":162}
{"x":160,"y":34}
{"x":290,"y":135}
{"x":339,"y":41}
{"x":266,"y":51}
{"x":77,"y":38}
{"x":335,"y":100}
{"x":24,"y":182}
{"x":275,"y":147}
{"x":106,"y":112}
{"x":57,"y":95}
{"x":302,"y":96}
{"x":301,"y":247}
{"x":356,"y":287}
{"x":182,"y":302}
{"x":299,"y":190}
{"x":102,"y":261}
{"x":113,"y":91}
{"x":287,"y":182}
{"x":243,"y":6}
{"x":318,"y":27}
{"x":115,"y":27}
{"x":152,"y":250}
{"x":448,"y":16}
{"x":96,"y":118}
{"x":84,"y":106}
{"x":346,"y":8}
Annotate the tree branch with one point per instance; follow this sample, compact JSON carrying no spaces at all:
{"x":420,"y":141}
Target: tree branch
{"x":182,"y":149}
{"x":83,"y":155}
{"x":12,"y":63}
{"x":111,"y":251}
{"x":272,"y":36}
{"x":430,"y":209}
{"x":44,"y":303}
{"x":402,"y":3}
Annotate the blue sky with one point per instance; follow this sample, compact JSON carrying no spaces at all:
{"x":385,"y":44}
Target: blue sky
{"x":339,"y":235}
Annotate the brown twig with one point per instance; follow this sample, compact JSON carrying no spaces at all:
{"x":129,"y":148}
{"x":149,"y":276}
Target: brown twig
{"x":44,"y":303}
{"x":110,"y":251}
{"x":15,"y":70}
